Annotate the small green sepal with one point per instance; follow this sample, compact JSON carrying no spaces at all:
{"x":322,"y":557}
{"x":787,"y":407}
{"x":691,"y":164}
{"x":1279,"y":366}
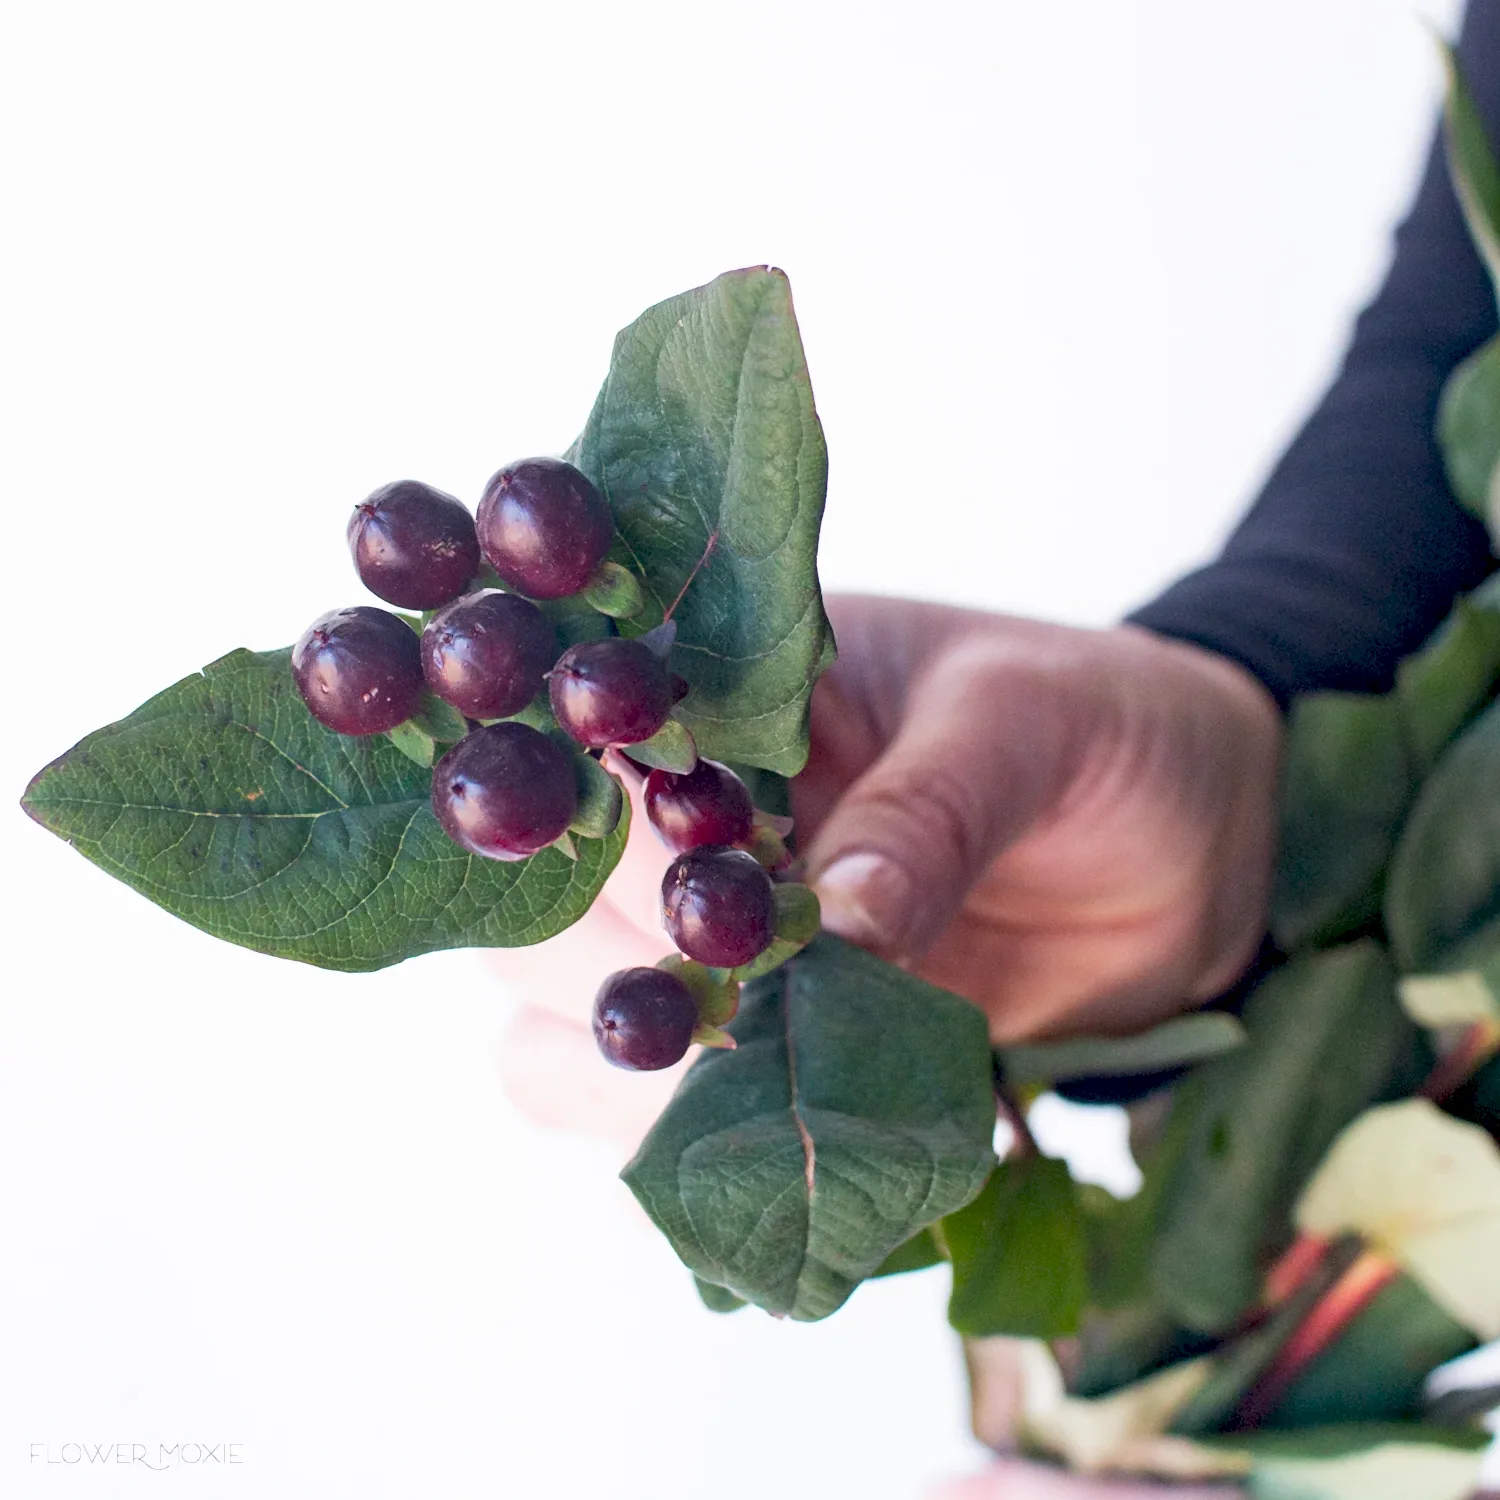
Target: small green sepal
{"x":671,"y":748}
{"x":615,"y":591}
{"x":600,"y":799}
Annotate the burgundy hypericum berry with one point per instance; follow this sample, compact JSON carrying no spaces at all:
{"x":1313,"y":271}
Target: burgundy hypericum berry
{"x":504,"y":791}
{"x":718,"y":906}
{"x":488,"y":654}
{"x":359,"y":670}
{"x":707,"y":805}
{"x":644,"y":1019}
{"x":413,"y":545}
{"x":544,"y":528}
{"x":610,"y":692}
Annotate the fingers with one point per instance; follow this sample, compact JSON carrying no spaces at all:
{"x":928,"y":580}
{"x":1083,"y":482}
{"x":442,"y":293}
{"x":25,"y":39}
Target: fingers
{"x":983,"y":749}
{"x":553,"y":1073}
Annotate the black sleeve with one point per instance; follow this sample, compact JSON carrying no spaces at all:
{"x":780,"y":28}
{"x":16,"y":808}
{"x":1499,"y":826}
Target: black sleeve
{"x":1355,"y":548}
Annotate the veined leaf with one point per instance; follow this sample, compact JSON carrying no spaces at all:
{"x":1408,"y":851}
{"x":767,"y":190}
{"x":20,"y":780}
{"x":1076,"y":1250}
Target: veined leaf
{"x":856,"y":1109}
{"x":224,"y":801}
{"x":705,"y":441}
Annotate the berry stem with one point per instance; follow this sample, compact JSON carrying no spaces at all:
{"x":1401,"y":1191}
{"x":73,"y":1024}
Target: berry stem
{"x":1479,"y":1043}
{"x":1300,"y":1260}
{"x":1334,"y":1311}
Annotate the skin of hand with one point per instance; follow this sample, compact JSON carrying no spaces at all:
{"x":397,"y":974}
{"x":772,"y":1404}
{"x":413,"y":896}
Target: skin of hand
{"x":1072,"y":828}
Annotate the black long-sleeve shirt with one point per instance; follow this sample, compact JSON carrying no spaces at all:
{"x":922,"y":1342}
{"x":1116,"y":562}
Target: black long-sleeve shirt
{"x":1356,"y":548}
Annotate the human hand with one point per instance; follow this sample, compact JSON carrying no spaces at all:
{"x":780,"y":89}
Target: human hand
{"x":1072,"y":828}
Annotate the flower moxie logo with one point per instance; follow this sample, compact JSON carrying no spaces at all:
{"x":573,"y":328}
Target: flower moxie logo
{"x":157,"y":1456}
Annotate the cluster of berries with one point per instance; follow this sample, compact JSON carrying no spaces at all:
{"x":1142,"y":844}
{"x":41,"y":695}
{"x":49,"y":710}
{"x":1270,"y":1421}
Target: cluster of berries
{"x":507,"y":789}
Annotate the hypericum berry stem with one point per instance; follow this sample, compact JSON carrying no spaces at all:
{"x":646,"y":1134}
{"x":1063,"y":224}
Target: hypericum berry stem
{"x":1479,"y":1043}
{"x":1299,"y":1261}
{"x":1354,"y":1291}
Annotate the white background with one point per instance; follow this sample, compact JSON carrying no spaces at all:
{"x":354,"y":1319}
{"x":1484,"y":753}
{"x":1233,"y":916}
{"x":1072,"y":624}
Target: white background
{"x":1067,"y":275}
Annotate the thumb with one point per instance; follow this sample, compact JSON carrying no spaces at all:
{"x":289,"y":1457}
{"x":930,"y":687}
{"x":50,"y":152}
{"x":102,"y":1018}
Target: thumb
{"x":984,"y":751}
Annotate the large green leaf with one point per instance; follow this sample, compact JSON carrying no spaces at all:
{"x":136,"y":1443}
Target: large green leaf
{"x":1453,"y":676}
{"x":1327,"y":1038}
{"x":706,"y":443}
{"x":1468,"y":428}
{"x":1471,"y":161}
{"x":225,"y":801}
{"x":1019,"y":1263}
{"x":856,"y":1109}
{"x":1175,"y":1043}
{"x":1444,"y":879}
{"x":1346,"y":783}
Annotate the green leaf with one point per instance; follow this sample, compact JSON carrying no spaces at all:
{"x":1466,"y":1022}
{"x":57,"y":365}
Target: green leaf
{"x":717,"y":994}
{"x":1452,"y":676}
{"x":1185,"y":1039}
{"x":600,"y":799}
{"x":224,"y":801}
{"x":857,"y":1109}
{"x":718,"y":1299}
{"x":917,"y":1254}
{"x":1471,"y":161}
{"x":439,"y":720}
{"x":705,"y":441}
{"x":538,"y":715}
{"x":1327,"y":1037}
{"x":1468,"y":429}
{"x":1347,"y":781}
{"x":415,"y":745}
{"x":1444,"y":880}
{"x":1019,"y":1263}
{"x":671,"y":748}
{"x":615,"y":591}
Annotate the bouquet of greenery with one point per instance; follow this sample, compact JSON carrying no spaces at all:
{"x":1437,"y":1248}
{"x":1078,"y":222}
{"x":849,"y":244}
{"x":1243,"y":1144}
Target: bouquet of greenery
{"x":1319,"y":1226}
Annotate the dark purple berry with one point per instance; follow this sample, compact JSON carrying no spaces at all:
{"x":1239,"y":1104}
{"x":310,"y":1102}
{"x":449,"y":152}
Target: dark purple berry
{"x":718,"y":906}
{"x":707,"y":805}
{"x":359,"y":670}
{"x":544,"y":528}
{"x":413,"y":545}
{"x":504,"y":791}
{"x":644,"y":1019}
{"x":610,"y":692}
{"x":488,"y":654}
